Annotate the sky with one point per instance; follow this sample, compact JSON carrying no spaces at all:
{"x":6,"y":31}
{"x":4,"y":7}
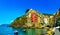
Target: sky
{"x":11,"y":9}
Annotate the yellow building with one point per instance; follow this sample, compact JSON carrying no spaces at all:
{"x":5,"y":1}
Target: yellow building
{"x":33,"y":20}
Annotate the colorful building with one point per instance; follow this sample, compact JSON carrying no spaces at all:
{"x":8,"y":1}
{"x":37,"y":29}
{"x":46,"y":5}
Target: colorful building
{"x":36,"y":23}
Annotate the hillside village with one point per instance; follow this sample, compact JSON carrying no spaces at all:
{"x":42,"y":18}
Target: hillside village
{"x":32,"y":19}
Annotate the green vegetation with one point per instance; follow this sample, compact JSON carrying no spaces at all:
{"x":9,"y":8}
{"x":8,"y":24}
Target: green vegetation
{"x":57,"y":21}
{"x":49,"y":14}
{"x":19,"y":22}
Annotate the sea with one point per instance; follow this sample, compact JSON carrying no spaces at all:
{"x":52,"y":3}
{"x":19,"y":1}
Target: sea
{"x":6,"y":30}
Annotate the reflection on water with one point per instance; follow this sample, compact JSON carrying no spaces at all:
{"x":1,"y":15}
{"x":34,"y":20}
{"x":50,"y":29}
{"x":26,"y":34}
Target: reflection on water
{"x":5,"y":30}
{"x":30,"y":31}
{"x":20,"y":31}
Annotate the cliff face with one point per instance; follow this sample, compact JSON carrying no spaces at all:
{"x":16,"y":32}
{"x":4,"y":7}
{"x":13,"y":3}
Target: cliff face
{"x":19,"y":22}
{"x":26,"y":21}
{"x":33,"y":19}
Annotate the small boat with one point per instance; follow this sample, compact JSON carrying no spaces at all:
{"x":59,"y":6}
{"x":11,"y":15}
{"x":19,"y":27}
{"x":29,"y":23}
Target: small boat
{"x":15,"y":32}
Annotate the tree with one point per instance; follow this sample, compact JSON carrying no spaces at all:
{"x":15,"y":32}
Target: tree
{"x":57,"y":22}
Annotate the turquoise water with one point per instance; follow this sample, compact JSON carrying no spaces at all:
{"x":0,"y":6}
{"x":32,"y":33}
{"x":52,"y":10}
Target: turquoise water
{"x":6,"y":30}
